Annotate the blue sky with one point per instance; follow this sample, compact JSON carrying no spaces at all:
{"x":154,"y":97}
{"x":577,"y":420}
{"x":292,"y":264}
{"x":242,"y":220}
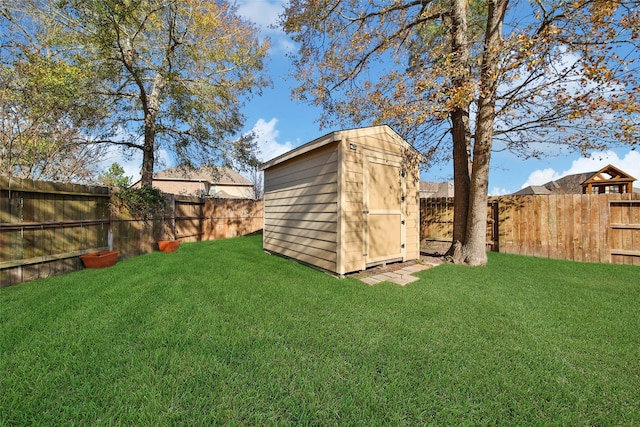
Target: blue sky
{"x":283,"y":124}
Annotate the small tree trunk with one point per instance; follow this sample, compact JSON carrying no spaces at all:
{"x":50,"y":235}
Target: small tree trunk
{"x":148,"y":159}
{"x":151,"y":106}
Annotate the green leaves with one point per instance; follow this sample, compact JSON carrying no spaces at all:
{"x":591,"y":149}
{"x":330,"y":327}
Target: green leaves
{"x":115,"y":177}
{"x":44,"y":105}
{"x":169,"y":75}
{"x":141,"y":202}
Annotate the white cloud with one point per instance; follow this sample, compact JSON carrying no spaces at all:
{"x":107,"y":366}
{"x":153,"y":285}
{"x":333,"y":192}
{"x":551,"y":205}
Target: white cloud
{"x":630,"y":164}
{"x":541,"y":176}
{"x":284,"y":45}
{"x":497,"y":191}
{"x":267,"y":135}
{"x":263,"y":13}
{"x":132,"y":166}
{"x":266,"y":14}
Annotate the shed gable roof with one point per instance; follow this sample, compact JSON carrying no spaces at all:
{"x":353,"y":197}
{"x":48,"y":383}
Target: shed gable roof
{"x":337,"y":136}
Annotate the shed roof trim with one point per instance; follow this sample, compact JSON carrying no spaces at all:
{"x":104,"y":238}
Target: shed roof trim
{"x":332,"y":137}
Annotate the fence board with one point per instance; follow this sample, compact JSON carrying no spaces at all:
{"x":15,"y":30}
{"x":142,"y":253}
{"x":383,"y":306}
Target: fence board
{"x":540,"y":243}
{"x":634,"y":230}
{"x":552,"y":232}
{"x":523,"y":237}
{"x":627,"y":243}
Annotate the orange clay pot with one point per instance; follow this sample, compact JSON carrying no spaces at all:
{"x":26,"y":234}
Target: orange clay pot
{"x":168,"y":245}
{"x":99,"y":259}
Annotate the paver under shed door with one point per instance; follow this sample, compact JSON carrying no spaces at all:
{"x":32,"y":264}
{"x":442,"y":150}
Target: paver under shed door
{"x":384,"y":232}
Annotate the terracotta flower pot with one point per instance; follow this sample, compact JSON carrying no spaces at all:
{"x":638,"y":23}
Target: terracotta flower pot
{"x":168,"y":245}
{"x":99,"y":259}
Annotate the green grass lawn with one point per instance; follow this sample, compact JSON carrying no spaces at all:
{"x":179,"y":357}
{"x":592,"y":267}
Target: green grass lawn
{"x":221,"y":333}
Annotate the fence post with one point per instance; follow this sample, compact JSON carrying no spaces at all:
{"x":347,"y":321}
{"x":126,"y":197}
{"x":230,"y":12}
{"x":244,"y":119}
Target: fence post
{"x":495,"y":226}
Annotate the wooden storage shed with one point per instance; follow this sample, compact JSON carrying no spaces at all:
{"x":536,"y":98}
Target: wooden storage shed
{"x":345,"y":201}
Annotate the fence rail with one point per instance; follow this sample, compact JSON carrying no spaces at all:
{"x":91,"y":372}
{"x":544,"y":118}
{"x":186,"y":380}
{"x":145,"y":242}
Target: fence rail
{"x":45,"y":227}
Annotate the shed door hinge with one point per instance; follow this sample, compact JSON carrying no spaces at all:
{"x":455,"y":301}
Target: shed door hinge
{"x":365,"y":254}
{"x":365,"y":212}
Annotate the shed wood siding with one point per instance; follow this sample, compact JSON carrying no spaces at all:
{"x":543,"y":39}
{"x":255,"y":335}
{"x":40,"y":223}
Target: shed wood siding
{"x":352,"y":208}
{"x":345,"y":201}
{"x":412,"y":214}
{"x":300,"y":213}
{"x":378,"y":149}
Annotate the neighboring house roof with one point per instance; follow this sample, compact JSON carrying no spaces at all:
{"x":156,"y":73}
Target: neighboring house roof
{"x":216,"y":175}
{"x":224,"y":195}
{"x":205,"y":181}
{"x":436,"y":189}
{"x":579,"y":183}
{"x":570,"y":184}
{"x":532,"y":189}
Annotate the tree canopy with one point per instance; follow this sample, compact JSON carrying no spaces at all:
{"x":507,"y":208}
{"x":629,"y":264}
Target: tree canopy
{"x":40,"y":120}
{"x":170,"y":74}
{"x":564,"y":68}
{"x":460,"y":78}
{"x":43,"y":106}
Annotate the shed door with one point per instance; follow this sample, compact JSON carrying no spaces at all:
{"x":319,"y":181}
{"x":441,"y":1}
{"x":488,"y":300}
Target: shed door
{"x":384,"y":231}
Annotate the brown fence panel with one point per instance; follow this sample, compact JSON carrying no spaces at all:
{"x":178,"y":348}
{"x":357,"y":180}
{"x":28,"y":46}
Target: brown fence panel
{"x":225,"y":218}
{"x":189,"y":214}
{"x":133,"y":237}
{"x":436,"y":221}
{"x":624,"y":231}
{"x":436,"y":218}
{"x":44,"y":227}
{"x":579,"y":227}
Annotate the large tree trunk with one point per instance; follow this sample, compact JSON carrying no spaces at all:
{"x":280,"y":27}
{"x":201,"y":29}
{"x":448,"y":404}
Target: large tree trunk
{"x":474,"y":245}
{"x":461,"y":172}
{"x":460,"y":123}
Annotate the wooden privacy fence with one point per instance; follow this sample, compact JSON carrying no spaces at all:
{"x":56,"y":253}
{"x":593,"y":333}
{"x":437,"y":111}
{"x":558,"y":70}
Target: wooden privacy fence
{"x":45,"y":227}
{"x":595,"y":228}
{"x":209,"y":219}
